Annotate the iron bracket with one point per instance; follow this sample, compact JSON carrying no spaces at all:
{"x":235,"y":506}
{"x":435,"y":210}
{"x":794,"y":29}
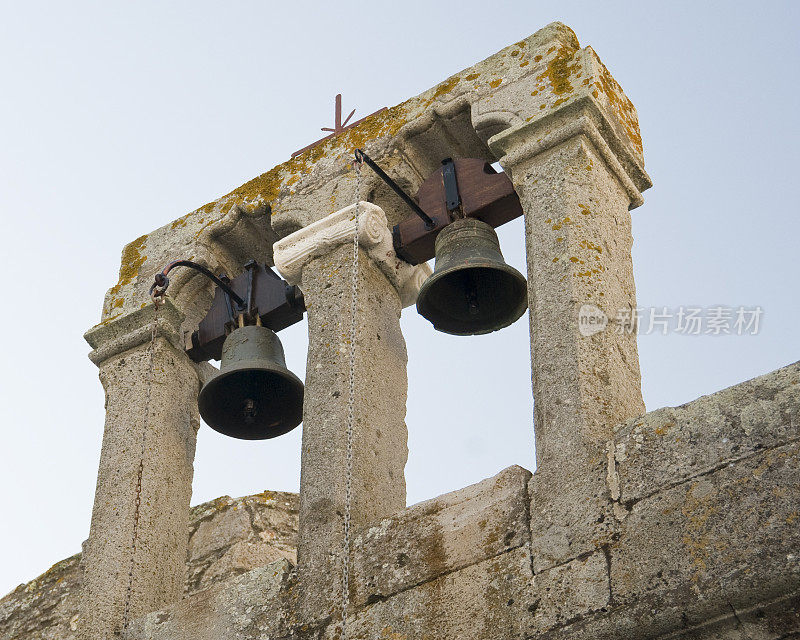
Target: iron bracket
{"x":257,"y":295}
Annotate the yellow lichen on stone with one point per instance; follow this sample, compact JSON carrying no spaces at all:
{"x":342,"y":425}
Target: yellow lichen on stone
{"x":180,"y":222}
{"x":132,"y":261}
{"x":495,"y":83}
{"x":559,"y":70}
{"x":446,"y":87}
{"x":619,"y":102}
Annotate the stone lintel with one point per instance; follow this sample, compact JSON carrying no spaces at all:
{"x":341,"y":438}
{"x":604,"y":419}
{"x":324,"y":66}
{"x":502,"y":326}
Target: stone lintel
{"x":297,"y":249}
{"x":453,"y":118}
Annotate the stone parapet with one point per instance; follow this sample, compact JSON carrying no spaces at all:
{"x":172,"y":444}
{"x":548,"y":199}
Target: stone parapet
{"x":442,"y":535}
{"x":712,"y":555}
{"x":672,"y":445}
{"x":227,"y":537}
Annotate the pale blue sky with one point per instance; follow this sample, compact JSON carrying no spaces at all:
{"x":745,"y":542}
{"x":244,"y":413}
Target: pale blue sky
{"x":118,"y":117}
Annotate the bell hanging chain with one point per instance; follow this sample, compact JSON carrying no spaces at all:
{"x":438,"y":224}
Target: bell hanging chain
{"x":351,"y":398}
{"x":157,"y":298}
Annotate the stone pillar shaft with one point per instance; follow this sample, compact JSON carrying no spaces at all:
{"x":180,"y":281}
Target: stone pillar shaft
{"x":166,"y":433}
{"x":321,"y":255}
{"x":578,"y":237}
{"x":578,"y":171}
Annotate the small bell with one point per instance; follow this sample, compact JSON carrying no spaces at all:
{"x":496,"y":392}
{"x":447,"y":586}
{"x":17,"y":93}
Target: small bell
{"x":253,"y":396}
{"x":472,"y":290}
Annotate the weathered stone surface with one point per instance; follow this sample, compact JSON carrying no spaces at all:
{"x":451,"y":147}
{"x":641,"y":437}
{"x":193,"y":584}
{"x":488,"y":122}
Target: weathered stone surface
{"x":148,"y":453}
{"x":438,"y":536}
{"x":729,"y":538}
{"x":670,"y":445}
{"x":482,"y":601}
{"x":775,"y":620}
{"x":568,"y":592}
{"x":379,"y":430}
{"x":249,"y":606}
{"x":571,"y":513}
{"x":47,"y":608}
{"x":229,"y":537}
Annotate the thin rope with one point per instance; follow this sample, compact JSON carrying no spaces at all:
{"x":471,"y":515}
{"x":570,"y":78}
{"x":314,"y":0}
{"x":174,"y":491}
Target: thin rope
{"x":126,"y":613}
{"x":348,"y":494}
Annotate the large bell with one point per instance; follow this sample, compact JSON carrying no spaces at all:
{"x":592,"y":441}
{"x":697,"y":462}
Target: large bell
{"x":254,"y":396}
{"x":472,"y":290}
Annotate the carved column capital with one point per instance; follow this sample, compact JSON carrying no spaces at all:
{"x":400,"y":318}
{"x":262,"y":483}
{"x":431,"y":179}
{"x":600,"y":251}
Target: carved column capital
{"x":112,"y":337}
{"x":582,"y":117}
{"x":294,"y":251}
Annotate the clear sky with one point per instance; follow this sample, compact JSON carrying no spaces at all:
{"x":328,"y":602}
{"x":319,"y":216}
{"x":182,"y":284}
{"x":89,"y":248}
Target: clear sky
{"x":119,"y":117}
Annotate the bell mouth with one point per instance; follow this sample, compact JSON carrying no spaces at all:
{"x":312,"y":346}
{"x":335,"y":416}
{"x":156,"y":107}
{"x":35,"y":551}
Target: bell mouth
{"x":474,"y":300}
{"x":252,"y":402}
{"x":253,"y":396}
{"x":472,"y":290}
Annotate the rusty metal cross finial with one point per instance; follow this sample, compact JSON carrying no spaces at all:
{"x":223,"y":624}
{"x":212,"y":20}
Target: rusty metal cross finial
{"x":338,"y":125}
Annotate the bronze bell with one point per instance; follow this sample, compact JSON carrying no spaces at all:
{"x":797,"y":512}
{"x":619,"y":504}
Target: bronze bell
{"x":472,"y":290}
{"x":253,"y":396}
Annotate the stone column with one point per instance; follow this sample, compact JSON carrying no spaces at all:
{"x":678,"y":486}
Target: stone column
{"x":578,"y":170}
{"x":155,"y":573}
{"x":320,"y":258}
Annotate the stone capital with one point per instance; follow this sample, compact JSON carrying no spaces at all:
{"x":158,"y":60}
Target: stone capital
{"x":580,"y":117}
{"x":294,"y":251}
{"x":112,"y":337}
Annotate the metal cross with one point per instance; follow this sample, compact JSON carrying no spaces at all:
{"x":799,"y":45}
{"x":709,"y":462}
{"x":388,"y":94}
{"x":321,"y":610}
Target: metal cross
{"x":338,"y":126}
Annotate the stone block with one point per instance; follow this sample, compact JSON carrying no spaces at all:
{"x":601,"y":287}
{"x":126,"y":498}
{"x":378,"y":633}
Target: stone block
{"x":727,"y":539}
{"x":247,"y":607}
{"x":570,"y":591}
{"x":441,"y":535}
{"x":480,"y":602}
{"x":571,"y":513}
{"x":775,"y":620}
{"x":670,"y":445}
{"x":229,"y":537}
{"x":45,"y":608}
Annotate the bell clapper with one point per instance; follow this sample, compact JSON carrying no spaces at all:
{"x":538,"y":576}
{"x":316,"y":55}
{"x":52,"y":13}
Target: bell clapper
{"x":472,"y":294}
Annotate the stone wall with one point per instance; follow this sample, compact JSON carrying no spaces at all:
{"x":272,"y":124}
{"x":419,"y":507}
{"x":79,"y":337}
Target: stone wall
{"x":702,"y":542}
{"x":227,"y":538}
